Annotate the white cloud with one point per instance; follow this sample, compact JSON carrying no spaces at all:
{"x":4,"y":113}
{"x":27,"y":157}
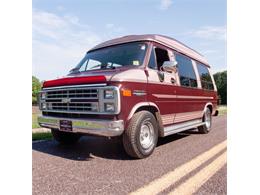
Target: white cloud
{"x":165,"y":4}
{"x":59,"y":42}
{"x":210,"y":32}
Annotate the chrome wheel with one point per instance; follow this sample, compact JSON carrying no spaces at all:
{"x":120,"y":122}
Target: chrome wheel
{"x":146,"y":134}
{"x":141,"y":135}
{"x":208,"y":119}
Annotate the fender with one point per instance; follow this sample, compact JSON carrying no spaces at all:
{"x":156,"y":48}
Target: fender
{"x":140,"y":104}
{"x":158,"y":115}
{"x":208,"y":104}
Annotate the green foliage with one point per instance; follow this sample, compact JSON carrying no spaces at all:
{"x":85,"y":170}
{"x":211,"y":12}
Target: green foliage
{"x":221,"y":82}
{"x":42,"y":136}
{"x":36,"y":87}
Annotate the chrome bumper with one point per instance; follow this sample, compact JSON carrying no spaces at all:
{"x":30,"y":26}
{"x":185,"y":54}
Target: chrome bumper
{"x":106,"y":128}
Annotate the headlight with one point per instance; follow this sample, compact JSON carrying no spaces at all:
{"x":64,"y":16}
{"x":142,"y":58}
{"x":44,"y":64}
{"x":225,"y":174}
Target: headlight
{"x":43,"y":106}
{"x":43,"y":95}
{"x":109,"y":94}
{"x":109,"y":107}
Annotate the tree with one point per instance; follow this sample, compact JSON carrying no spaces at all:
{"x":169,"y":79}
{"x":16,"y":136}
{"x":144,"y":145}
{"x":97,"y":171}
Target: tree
{"x":221,"y":82}
{"x":36,"y":87}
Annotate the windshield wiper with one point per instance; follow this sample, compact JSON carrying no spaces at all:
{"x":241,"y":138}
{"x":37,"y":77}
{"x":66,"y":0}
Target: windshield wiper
{"x":102,"y":67}
{"x":111,"y":66}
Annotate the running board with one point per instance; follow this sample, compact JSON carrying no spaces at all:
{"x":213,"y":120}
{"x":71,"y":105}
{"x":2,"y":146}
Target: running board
{"x":169,"y":130}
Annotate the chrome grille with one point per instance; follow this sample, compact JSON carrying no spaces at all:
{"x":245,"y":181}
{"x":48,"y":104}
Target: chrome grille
{"x":86,"y":100}
{"x":78,"y":100}
{"x":73,"y":93}
{"x":72,"y":106}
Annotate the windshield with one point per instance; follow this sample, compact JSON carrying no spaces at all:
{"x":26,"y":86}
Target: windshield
{"x":113,"y":57}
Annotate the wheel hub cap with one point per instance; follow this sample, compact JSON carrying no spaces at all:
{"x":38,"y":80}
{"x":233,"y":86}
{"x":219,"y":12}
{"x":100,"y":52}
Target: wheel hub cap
{"x":146,"y":135}
{"x":208,"y":119}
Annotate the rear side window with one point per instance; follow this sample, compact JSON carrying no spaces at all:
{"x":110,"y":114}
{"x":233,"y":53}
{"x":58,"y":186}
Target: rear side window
{"x":206,"y":81}
{"x":186,"y":71}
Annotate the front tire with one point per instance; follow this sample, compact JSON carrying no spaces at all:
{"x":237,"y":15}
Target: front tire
{"x":65,"y":138}
{"x":207,"y":119}
{"x":141,"y":136}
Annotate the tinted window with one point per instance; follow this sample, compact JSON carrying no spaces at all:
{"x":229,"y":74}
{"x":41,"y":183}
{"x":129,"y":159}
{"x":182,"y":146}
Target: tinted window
{"x":152,"y":63}
{"x":206,"y":81}
{"x":186,"y":72}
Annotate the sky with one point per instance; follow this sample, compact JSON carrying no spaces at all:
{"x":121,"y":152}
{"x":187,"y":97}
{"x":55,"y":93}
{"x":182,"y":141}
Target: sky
{"x":64,"y":30}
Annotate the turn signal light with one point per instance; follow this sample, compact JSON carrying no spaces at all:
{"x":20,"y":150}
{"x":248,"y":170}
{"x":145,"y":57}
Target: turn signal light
{"x":127,"y":92}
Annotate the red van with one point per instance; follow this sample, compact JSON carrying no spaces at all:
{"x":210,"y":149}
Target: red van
{"x":137,"y":87}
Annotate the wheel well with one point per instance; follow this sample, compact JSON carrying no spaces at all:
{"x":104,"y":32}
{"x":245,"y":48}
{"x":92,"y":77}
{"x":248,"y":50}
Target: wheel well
{"x":210,"y":108}
{"x":156,"y":114}
{"x":151,"y":109}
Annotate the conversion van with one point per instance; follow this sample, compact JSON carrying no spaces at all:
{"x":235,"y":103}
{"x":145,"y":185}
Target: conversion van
{"x":137,"y":87}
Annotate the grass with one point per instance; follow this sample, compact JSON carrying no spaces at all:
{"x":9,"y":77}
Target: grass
{"x":222,"y":110}
{"x":41,"y":136}
{"x":34,"y":121}
{"x":35,"y":113}
{"x":38,"y":135}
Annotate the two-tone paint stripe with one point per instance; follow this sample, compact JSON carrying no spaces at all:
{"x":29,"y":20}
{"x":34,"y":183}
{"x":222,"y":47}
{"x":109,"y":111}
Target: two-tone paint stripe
{"x":181,"y":96}
{"x":187,"y":116}
{"x":180,"y":117}
{"x":167,"y":119}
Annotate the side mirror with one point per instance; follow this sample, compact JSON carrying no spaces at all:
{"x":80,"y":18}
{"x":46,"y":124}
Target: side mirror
{"x":170,"y":66}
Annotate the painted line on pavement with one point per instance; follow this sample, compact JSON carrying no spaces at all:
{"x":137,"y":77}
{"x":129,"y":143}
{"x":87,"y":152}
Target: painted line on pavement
{"x":172,"y":177}
{"x":192,"y":184}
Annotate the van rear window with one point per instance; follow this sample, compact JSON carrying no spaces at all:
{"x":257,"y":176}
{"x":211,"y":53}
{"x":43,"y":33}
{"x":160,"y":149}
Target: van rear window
{"x":186,"y":71}
{"x":206,"y":81}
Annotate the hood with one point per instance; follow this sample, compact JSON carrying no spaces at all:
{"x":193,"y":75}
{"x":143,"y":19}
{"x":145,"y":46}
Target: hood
{"x":89,"y":77}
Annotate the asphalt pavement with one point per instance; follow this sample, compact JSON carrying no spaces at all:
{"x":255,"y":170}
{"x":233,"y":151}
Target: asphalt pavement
{"x":184,"y":163}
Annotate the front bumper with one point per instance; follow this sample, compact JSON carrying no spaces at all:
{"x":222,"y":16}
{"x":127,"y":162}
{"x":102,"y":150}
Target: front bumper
{"x":108,"y":128}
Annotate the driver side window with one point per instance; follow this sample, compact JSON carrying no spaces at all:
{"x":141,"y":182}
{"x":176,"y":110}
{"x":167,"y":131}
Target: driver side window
{"x":161,"y":56}
{"x":157,"y":58}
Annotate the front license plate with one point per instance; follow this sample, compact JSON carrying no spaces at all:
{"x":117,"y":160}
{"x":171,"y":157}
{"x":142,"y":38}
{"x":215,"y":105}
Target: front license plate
{"x":65,"y":125}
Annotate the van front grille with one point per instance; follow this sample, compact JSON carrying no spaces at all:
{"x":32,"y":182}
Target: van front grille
{"x":72,"y":106}
{"x":79,"y":100}
{"x":73,"y":93}
{"x":76,"y":100}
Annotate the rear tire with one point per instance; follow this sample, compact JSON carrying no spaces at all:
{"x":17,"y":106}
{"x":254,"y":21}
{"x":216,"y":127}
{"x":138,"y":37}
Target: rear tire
{"x":65,"y":138}
{"x":141,"y":136}
{"x":207,"y":118}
